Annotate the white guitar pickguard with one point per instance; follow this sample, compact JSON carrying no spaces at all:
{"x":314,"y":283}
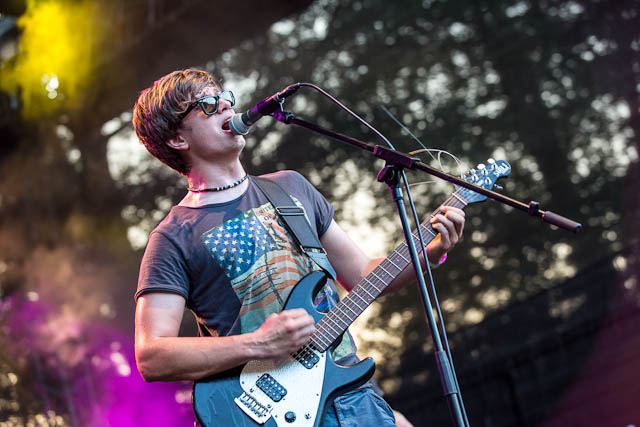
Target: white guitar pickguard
{"x":303,"y":386}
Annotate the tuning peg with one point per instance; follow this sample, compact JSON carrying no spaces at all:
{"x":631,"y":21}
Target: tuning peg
{"x":497,"y":187}
{"x":482,"y":170}
{"x":491,"y":164}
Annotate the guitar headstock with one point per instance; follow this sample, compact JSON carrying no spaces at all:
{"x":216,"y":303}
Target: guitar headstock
{"x":484,"y":176}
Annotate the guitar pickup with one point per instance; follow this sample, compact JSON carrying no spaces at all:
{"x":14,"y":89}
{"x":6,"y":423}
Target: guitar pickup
{"x":271,"y":387}
{"x":307,"y":357}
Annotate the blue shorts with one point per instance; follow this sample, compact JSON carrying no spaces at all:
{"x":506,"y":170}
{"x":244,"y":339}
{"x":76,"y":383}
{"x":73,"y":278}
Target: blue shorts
{"x":359,"y":408}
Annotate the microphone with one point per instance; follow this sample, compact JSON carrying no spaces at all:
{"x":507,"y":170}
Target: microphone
{"x":240,"y":123}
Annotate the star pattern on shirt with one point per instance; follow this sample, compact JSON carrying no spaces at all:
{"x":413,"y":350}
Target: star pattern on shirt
{"x":238,"y":243}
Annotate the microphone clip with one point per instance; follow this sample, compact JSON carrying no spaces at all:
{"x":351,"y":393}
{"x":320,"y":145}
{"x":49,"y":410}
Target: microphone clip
{"x":283,"y":116}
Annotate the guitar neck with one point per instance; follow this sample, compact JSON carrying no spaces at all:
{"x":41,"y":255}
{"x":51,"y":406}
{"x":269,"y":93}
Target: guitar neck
{"x":336,"y":322}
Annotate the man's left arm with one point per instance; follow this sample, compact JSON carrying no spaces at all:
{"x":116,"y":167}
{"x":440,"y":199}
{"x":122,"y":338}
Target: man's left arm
{"x":352,"y":264}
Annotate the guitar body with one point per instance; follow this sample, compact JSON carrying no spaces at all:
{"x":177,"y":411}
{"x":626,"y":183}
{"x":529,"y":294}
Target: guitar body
{"x":291,"y":392}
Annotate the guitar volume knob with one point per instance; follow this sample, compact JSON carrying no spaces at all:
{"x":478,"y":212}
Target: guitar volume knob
{"x":290,"y":416}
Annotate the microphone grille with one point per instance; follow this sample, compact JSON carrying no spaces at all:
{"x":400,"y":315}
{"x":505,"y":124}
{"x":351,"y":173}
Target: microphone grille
{"x":237,"y":126}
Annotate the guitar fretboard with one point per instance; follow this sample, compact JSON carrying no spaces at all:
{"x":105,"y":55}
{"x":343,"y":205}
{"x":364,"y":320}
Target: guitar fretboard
{"x":336,"y":322}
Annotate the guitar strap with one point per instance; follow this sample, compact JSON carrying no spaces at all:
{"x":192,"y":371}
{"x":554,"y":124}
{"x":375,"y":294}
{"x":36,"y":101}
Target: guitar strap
{"x":296,"y":222}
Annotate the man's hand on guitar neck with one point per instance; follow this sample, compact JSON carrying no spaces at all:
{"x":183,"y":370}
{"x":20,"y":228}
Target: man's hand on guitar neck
{"x":352,"y":264}
{"x":449,"y":223}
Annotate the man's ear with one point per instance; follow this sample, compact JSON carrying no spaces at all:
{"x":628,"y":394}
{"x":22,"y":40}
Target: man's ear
{"x":178,"y":143}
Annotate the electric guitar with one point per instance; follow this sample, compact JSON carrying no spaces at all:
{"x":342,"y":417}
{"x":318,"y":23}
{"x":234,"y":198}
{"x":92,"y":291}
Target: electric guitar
{"x":296,"y":391}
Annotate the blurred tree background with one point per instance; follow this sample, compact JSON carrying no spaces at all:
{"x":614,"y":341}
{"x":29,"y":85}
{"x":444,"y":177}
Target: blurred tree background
{"x":541,"y":320}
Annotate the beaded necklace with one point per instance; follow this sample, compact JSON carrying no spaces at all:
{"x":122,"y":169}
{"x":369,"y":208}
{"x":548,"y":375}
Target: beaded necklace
{"x":222,"y":188}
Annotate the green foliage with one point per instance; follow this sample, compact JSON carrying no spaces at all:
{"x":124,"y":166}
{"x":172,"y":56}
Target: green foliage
{"x":548,"y":86}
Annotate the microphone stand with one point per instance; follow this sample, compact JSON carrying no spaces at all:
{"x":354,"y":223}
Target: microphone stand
{"x":395,"y":164}
{"x":405,"y":161}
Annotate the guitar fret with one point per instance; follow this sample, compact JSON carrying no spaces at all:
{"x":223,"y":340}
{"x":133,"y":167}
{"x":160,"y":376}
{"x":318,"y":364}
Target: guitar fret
{"x":367,"y":292}
{"x":325,"y":327}
{"x":372,"y":285}
{"x":450,"y":200}
{"x":369,"y":282}
{"x":318,"y":345}
{"x":380,"y":266}
{"x":430,"y":231}
{"x":351,"y":300}
{"x":373,"y":273}
{"x":394,"y":264}
{"x":396,"y":258}
{"x":324,"y":334}
{"x":464,"y":203}
{"x":343,"y":324}
{"x":319,"y":336}
{"x":330,"y":319}
{"x":399,"y":254}
{"x":326,"y":341}
{"x":361,"y":299}
{"x":339,"y":308}
{"x":352,"y":312}
{"x":361,"y":291}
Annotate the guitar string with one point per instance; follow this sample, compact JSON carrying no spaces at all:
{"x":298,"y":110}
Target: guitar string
{"x":349,"y":299}
{"x":401,"y":250}
{"x":358,"y":305}
{"x":404,"y":248}
{"x":385,"y":270}
{"x":453,"y":200}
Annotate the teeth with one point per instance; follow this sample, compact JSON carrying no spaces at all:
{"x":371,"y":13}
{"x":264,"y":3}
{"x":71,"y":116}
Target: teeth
{"x":225,"y":124}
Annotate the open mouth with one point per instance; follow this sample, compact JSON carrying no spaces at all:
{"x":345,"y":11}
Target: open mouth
{"x":225,"y":125}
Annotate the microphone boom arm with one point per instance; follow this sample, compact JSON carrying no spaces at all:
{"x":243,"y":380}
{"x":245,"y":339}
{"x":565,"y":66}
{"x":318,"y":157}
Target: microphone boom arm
{"x":404,"y":160}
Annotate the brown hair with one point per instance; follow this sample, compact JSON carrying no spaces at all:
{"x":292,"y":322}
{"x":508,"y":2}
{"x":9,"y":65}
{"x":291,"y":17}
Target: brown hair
{"x":156,"y":113}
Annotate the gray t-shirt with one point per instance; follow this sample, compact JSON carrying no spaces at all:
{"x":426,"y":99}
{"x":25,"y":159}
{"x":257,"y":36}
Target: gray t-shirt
{"x":234,"y":262}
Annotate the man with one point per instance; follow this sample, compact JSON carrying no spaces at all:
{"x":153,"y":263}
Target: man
{"x":222,"y":252}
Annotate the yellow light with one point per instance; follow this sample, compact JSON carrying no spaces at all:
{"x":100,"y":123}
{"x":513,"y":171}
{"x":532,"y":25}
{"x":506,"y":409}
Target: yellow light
{"x":56,"y":56}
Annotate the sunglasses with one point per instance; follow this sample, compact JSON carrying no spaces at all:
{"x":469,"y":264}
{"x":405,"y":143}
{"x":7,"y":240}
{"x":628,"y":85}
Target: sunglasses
{"x":209,"y":104}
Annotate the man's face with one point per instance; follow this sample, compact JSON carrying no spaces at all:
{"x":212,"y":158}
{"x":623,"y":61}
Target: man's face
{"x":209,"y":135}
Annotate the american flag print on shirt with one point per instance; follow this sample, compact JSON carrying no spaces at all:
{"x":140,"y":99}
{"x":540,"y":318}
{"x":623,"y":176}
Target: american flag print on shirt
{"x":260,"y":259}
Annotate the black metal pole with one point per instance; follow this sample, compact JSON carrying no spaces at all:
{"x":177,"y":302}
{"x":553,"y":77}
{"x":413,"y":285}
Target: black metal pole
{"x":390,"y":174}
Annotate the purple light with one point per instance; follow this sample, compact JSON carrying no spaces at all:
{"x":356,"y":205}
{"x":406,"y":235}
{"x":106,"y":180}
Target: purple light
{"x":87,"y":369}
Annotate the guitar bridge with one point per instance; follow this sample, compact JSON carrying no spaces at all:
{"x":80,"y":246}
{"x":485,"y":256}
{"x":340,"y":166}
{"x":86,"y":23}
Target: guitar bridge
{"x":252,"y":407}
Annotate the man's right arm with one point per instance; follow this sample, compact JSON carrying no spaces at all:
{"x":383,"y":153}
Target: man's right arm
{"x":163,"y":356}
